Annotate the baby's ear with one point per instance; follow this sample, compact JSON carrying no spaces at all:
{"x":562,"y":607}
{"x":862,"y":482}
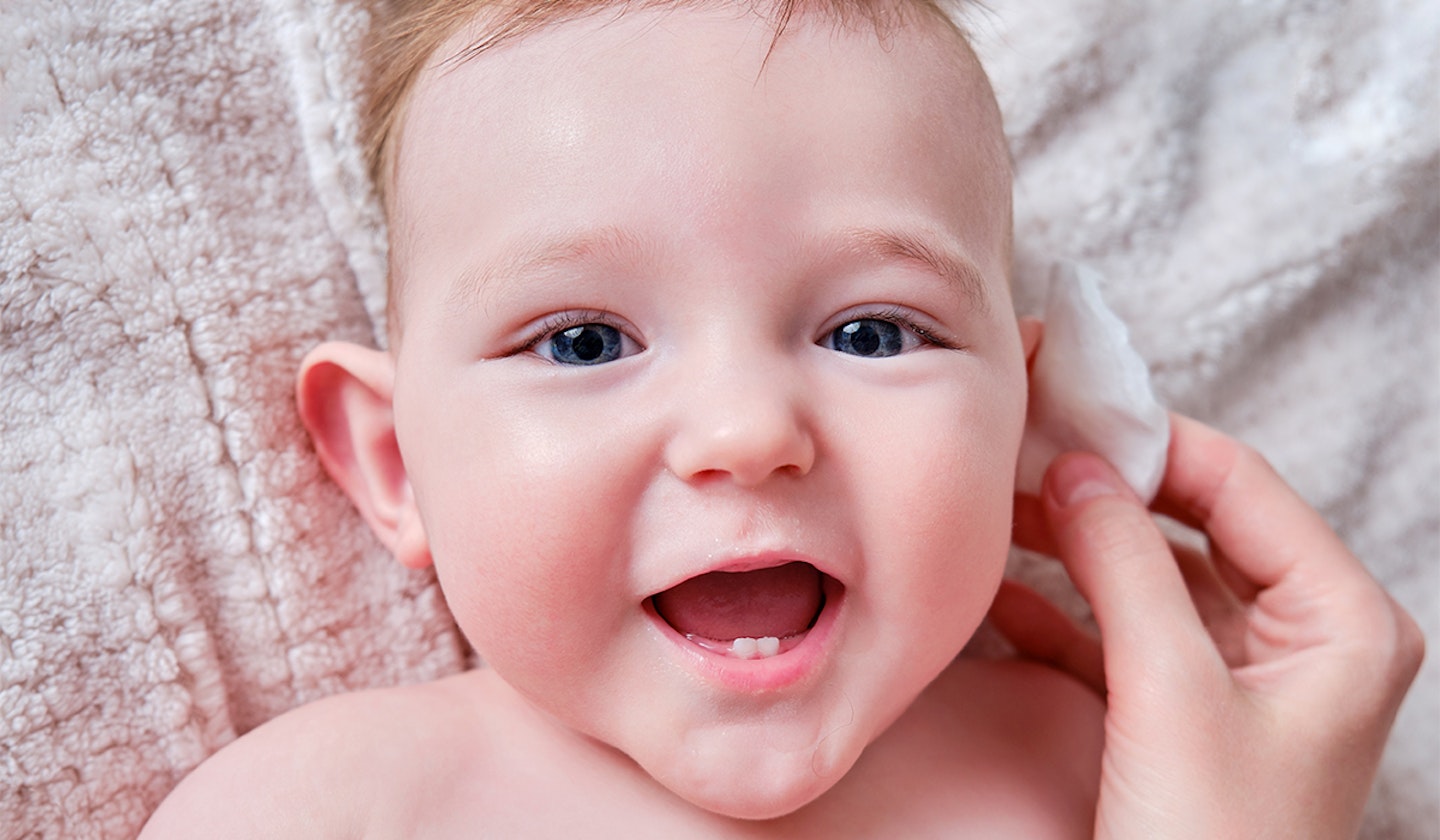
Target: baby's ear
{"x":344,"y":392}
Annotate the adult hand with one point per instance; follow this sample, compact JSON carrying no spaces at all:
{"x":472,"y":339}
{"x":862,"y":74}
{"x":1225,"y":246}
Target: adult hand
{"x":1250,"y":688}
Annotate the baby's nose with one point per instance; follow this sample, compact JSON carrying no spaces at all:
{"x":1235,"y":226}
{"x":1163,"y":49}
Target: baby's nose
{"x":745,"y":424}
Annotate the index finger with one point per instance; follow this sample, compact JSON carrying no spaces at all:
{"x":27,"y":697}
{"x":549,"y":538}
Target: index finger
{"x":1228,"y":490}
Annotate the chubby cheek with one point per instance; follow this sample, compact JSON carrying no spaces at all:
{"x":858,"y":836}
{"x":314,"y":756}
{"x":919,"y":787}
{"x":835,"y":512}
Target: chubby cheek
{"x":939,"y":532}
{"x":526,"y":519}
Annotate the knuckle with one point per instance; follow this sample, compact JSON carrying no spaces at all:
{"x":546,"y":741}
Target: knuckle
{"x":1389,"y":648}
{"x":1247,"y":458}
{"x":1410,"y":645}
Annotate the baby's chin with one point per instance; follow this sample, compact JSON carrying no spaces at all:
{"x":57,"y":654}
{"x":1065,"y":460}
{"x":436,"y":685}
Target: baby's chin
{"x":746,"y":793}
{"x":751,"y":778}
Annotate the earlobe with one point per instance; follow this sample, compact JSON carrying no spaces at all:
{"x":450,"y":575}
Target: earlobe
{"x":344,"y":393}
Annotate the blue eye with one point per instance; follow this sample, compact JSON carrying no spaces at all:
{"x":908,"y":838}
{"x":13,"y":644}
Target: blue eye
{"x":868,"y":337}
{"x":586,"y":344}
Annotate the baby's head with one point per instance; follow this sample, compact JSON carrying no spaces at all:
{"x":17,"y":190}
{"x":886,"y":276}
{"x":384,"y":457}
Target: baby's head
{"x":705,"y":388}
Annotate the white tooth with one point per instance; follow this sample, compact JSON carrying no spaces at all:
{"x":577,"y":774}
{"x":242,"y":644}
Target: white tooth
{"x":768,"y":646}
{"x":744,"y":648}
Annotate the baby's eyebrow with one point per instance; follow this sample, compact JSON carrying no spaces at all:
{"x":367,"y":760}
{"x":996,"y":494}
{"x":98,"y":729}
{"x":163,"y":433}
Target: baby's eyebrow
{"x":893,"y":244}
{"x":533,"y":254}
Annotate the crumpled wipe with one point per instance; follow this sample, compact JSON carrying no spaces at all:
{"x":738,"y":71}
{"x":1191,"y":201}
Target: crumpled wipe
{"x":1090,"y":390}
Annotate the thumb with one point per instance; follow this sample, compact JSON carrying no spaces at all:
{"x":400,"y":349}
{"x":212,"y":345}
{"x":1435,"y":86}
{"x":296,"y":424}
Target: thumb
{"x":1122,"y":565}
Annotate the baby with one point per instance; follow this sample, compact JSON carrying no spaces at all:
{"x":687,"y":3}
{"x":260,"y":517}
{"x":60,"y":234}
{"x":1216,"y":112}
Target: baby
{"x":704,"y":397}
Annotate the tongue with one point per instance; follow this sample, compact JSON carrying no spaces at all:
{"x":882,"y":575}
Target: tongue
{"x":779,"y":602}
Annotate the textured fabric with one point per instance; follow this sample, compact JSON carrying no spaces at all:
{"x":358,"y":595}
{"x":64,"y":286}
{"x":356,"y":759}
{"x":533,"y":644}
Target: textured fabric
{"x":183,"y":214}
{"x":1259,"y":185}
{"x":176,"y":569}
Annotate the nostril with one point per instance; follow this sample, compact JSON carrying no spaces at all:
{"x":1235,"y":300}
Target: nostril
{"x":747,"y":453}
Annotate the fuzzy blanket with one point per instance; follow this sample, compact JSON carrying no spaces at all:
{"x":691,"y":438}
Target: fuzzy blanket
{"x":183,"y":214}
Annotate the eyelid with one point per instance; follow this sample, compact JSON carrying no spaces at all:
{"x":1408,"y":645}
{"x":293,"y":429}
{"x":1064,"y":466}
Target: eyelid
{"x":547,"y":327}
{"x":926,"y":329}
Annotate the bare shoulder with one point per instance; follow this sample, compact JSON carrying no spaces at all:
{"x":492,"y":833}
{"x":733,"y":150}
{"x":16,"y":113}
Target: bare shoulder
{"x":994,"y":748}
{"x":351,"y":765}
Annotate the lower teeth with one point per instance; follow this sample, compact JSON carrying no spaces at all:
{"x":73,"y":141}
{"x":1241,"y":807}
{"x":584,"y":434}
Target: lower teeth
{"x":762,"y":647}
{"x":741,"y":648}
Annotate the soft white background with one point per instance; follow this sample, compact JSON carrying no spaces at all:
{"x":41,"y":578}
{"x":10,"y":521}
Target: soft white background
{"x":182,"y":214}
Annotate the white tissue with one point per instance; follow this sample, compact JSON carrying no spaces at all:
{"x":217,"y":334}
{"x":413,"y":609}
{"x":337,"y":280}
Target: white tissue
{"x":1090,"y":390}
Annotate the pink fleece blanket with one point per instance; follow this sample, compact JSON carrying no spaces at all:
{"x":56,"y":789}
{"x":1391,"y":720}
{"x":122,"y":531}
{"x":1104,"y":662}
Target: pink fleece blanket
{"x":183,"y":214}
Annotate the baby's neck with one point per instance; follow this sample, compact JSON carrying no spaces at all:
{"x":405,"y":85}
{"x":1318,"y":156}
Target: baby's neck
{"x":989,"y":749}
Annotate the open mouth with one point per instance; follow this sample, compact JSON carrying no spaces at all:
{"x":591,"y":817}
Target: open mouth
{"x":747,"y":615}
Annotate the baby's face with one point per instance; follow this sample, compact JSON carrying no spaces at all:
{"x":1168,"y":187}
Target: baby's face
{"x":696,"y":349}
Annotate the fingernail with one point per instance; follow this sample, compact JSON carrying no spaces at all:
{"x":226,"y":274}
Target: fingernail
{"x":1078,"y":478}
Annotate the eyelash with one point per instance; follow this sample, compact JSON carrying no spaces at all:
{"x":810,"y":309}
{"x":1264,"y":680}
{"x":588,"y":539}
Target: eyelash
{"x":900,"y":317}
{"x":562,"y":321}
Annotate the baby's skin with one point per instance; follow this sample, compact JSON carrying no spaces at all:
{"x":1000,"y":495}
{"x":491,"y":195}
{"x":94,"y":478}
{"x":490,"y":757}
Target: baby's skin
{"x":704,"y":400}
{"x":989,"y":750}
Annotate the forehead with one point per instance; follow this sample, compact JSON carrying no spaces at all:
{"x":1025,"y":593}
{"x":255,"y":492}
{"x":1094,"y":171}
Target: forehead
{"x":612,"y":58}
{"x":681,"y":116}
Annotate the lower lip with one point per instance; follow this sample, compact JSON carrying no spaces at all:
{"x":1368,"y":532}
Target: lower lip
{"x":772,"y":673}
